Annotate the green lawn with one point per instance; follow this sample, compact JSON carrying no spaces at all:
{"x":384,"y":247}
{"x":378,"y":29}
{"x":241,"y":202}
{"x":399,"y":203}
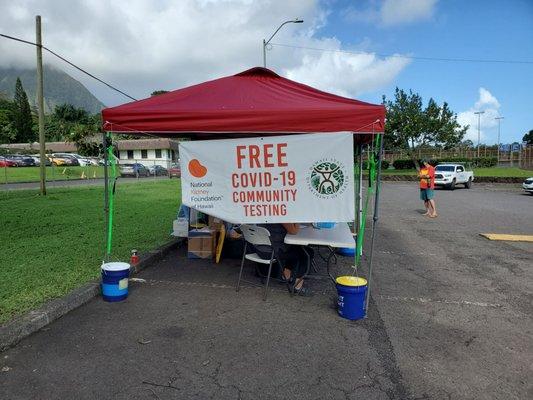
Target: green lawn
{"x":32,"y":174}
{"x":496,"y":172}
{"x":503,"y":172}
{"x":52,"y":244}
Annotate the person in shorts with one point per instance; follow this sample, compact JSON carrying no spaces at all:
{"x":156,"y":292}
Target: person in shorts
{"x":427,"y":187}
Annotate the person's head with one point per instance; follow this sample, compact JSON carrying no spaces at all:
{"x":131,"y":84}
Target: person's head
{"x":425,"y":162}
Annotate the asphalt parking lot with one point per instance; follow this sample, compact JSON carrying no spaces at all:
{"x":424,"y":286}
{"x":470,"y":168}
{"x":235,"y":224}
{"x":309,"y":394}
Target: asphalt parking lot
{"x":450,"y":318}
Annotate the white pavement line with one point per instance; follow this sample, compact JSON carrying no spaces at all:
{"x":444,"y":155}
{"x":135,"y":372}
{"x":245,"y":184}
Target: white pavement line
{"x":244,"y":285}
{"x":454,"y":302}
{"x":402,"y":253}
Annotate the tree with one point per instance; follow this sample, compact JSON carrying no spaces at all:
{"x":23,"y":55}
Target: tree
{"x":528,"y":137}
{"x":79,"y":127}
{"x":7,"y":128}
{"x":22,"y":123}
{"x":467,"y":144}
{"x":69,"y":113}
{"x":410,"y":125}
{"x":158,"y":92}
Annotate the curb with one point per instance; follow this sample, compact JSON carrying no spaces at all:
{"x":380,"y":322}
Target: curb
{"x":16,"y":330}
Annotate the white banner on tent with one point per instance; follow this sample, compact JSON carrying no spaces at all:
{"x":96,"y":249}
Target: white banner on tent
{"x":297,"y":178}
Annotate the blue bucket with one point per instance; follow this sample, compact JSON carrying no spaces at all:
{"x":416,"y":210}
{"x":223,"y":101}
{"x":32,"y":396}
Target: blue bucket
{"x":346,"y":251}
{"x":352,"y":293}
{"x":324,"y":225}
{"x":115,"y":281}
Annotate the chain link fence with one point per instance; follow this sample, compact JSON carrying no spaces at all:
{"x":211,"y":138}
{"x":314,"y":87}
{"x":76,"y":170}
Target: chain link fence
{"x":520,"y":159}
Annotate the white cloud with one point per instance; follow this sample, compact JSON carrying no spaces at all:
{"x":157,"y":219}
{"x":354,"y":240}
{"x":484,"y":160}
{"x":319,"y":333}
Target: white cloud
{"x":164,"y":44}
{"x":347,"y":74}
{"x":396,"y":12}
{"x":490,"y":106}
{"x":393,"y":12}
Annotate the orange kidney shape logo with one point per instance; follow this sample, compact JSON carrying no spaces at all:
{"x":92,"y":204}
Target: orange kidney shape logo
{"x":197,"y":169}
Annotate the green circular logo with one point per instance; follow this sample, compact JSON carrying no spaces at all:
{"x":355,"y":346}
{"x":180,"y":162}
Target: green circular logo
{"x":327,"y":178}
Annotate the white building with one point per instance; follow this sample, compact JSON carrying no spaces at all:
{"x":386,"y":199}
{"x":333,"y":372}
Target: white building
{"x":148,"y":152}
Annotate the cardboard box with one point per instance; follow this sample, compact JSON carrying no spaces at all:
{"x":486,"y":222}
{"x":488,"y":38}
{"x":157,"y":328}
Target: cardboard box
{"x":201,"y":244}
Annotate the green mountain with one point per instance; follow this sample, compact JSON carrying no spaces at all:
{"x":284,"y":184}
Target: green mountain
{"x":59,"y":88}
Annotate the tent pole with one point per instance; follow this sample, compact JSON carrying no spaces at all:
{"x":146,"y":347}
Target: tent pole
{"x":374,"y":223}
{"x":106,"y":192}
{"x":360,"y":195}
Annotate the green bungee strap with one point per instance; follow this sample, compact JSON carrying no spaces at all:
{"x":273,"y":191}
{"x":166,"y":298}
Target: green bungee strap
{"x":111,"y":159}
{"x":372,"y":174}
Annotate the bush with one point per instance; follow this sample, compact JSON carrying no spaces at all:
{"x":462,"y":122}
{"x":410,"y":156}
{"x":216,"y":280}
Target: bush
{"x":481,"y":162}
{"x":403,"y":164}
{"x":384,"y":165}
{"x":485,"y":162}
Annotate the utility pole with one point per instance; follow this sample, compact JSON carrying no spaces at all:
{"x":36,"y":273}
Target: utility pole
{"x":499,"y":120}
{"x":478,"y":129}
{"x":40,"y":103}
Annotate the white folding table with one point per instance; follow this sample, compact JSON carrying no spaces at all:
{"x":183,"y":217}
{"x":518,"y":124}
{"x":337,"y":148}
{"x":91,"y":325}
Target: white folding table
{"x":336,"y":237}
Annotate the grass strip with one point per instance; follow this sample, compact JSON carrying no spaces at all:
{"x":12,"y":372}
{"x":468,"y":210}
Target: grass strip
{"x":52,"y":244}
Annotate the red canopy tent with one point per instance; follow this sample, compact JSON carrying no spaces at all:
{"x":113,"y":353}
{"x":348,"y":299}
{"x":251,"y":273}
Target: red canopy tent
{"x":256,"y":101}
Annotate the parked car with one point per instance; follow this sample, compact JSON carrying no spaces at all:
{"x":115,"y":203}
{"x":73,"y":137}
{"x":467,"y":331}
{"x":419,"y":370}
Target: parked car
{"x":66,"y":161}
{"x":528,"y":185}
{"x":174,"y":171}
{"x":83,"y":161}
{"x":6,"y":162}
{"x":93,"y":160}
{"x":102,"y":162}
{"x":37,"y":159}
{"x":158,"y":170}
{"x":449,"y":175}
{"x":135,"y":170}
{"x":21,"y":161}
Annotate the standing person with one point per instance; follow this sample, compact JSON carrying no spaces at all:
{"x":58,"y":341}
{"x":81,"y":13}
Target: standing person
{"x":427,"y":186}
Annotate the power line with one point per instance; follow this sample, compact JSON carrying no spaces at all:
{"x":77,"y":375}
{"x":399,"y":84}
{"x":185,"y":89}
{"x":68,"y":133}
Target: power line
{"x":70,"y":63}
{"x":408,"y":57}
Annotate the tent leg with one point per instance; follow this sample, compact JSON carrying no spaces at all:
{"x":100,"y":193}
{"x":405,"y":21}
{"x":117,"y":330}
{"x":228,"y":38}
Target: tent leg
{"x":106,"y":193}
{"x":374,"y":224}
{"x":360,"y":195}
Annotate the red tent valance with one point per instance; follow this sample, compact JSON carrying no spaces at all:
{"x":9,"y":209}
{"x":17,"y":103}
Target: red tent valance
{"x":256,"y":101}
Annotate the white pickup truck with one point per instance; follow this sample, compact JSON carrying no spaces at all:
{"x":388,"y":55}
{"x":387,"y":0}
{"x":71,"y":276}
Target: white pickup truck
{"x":449,"y":175}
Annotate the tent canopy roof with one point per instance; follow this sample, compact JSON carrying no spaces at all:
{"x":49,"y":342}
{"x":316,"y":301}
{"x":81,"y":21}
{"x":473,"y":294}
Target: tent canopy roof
{"x":253,"y":102}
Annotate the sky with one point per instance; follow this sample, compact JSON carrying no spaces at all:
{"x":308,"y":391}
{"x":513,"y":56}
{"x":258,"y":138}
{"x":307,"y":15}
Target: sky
{"x":359,"y":49}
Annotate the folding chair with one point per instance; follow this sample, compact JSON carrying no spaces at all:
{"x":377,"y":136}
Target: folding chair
{"x":256,"y":236}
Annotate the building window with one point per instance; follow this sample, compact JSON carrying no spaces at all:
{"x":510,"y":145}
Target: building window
{"x":144,"y":153}
{"x":130,"y":154}
{"x":158,"y":153}
{"x":168,"y":154}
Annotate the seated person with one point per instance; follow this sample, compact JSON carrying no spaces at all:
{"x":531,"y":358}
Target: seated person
{"x":292,"y":258}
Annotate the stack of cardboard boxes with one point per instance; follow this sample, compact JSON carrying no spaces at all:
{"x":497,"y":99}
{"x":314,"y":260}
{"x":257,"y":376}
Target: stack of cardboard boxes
{"x":202,"y":241}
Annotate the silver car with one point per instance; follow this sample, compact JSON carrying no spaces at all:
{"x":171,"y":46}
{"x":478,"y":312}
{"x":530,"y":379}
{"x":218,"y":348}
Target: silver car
{"x":528,"y":185}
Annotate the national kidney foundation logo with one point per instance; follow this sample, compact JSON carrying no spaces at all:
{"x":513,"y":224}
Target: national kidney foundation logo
{"x":327,"y":178}
{"x":197,"y":169}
